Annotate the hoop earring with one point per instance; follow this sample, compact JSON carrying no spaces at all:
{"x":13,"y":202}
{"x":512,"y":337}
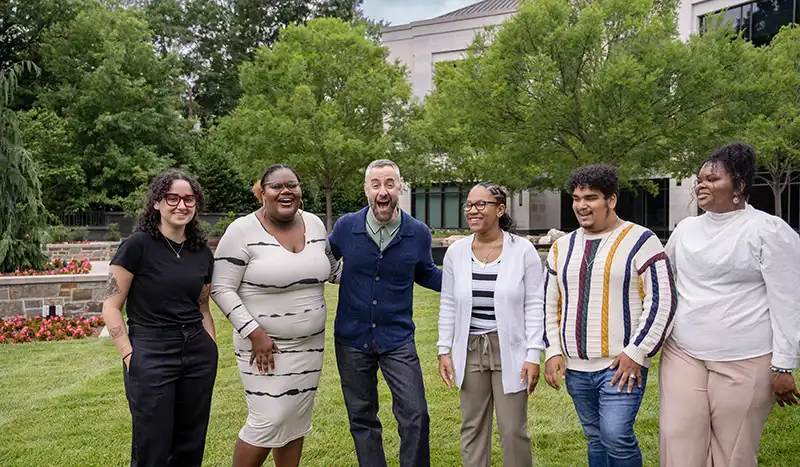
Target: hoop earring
{"x":736,"y":199}
{"x":302,"y":205}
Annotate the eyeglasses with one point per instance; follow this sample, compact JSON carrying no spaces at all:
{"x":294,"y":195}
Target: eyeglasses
{"x":479,"y":205}
{"x":174,"y":199}
{"x":282,"y":185}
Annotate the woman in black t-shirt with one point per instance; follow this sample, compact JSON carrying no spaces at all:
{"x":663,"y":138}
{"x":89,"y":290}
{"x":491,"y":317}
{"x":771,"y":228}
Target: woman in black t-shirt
{"x":169,"y":351}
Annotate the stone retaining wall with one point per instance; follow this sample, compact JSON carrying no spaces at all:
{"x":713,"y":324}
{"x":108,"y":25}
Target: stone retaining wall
{"x":95,"y":251}
{"x":79,"y":294}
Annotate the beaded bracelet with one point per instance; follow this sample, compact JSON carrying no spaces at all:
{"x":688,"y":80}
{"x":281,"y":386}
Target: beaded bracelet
{"x":780,"y":370}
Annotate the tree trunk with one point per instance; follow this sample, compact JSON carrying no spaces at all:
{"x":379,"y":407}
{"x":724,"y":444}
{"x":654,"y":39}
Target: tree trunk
{"x":329,"y":208}
{"x":776,"y":193}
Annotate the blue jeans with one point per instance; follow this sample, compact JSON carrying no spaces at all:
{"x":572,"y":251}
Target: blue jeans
{"x":607,"y":417}
{"x":401,"y":370}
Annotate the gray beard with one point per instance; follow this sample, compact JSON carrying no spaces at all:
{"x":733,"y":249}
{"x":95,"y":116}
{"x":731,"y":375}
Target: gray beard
{"x":373,"y":207}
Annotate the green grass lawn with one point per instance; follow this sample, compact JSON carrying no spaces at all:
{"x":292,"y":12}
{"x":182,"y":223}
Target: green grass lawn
{"x":63,"y":404}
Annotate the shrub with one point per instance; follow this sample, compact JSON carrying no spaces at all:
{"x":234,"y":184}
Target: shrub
{"x":57,"y":234}
{"x":222,"y":225}
{"x":113,"y":234}
{"x":78,"y":234}
{"x":21,"y":329}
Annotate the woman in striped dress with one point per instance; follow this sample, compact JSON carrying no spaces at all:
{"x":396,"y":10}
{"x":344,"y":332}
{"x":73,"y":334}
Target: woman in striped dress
{"x":492,"y":321}
{"x":268,"y":281}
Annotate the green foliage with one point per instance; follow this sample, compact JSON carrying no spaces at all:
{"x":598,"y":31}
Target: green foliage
{"x":205,"y":227}
{"x":22,"y":219}
{"x":214,"y":37}
{"x":57,"y":234}
{"x":563,"y":84}
{"x":113,"y":234}
{"x":78,"y":234}
{"x":109,"y":118}
{"x":224,"y":186}
{"x":325,"y":99}
{"x":222,"y":225}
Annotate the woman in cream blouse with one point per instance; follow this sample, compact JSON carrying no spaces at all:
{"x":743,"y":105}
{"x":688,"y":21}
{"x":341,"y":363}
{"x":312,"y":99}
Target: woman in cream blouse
{"x":736,"y":337}
{"x":491,"y":319}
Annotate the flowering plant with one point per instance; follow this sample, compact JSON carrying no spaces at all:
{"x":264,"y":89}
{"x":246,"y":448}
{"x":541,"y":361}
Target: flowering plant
{"x":20,"y":329}
{"x":56,"y":267}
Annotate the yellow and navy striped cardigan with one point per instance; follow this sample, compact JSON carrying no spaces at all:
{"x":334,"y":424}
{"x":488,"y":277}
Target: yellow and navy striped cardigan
{"x":605,"y":295}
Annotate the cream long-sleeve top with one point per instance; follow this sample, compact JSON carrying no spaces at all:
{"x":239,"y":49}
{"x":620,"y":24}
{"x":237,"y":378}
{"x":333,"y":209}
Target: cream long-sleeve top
{"x":517,"y":307}
{"x":738,"y":282}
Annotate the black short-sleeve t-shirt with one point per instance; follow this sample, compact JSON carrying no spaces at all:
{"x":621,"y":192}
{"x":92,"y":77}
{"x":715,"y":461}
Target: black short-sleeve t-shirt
{"x":165,"y":289}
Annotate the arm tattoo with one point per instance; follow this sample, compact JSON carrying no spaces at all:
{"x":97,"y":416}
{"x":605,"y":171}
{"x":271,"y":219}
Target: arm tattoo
{"x":116,"y":332}
{"x":203,"y":300}
{"x":112,"y":287}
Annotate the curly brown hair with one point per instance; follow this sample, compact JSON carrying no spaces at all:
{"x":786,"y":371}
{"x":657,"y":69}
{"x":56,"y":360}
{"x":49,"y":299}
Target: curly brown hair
{"x":151,"y":218}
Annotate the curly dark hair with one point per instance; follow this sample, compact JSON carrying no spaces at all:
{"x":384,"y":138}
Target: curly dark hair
{"x":275,"y":168}
{"x":151,"y":218}
{"x":602,"y":177}
{"x":739,"y":160}
{"x":501,"y":196}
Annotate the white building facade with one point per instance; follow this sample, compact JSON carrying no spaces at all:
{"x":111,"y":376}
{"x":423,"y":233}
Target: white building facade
{"x":422,"y":44}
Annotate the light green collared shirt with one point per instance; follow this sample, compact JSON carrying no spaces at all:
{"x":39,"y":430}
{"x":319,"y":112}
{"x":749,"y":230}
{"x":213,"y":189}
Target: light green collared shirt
{"x":382,"y":234}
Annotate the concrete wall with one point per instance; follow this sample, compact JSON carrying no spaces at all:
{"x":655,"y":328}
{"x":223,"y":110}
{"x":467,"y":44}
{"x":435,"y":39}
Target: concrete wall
{"x":75,"y":294}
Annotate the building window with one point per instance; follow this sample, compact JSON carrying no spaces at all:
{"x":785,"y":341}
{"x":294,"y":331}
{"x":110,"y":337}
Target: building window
{"x":640,"y":207}
{"x":439,"y":206}
{"x":762,"y":198}
{"x":758,"y":21}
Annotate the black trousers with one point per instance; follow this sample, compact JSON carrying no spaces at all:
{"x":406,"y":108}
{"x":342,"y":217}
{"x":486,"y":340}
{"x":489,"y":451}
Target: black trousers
{"x":401,"y":370}
{"x":169,"y":385}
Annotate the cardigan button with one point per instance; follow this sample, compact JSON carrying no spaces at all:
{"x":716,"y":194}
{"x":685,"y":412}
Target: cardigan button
{"x":374,"y":302}
{"x":377,"y":278}
{"x":366,"y":346}
{"x":380,"y":256}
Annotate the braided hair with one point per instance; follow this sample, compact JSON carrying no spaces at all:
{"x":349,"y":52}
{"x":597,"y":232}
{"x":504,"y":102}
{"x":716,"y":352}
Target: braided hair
{"x":500,"y":195}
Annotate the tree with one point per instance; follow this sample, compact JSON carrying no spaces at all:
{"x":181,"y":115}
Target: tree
{"x":563,"y":84}
{"x":214,"y":37}
{"x":110,"y":116}
{"x":325,"y":99}
{"x":771,"y":122}
{"x":22,"y":228}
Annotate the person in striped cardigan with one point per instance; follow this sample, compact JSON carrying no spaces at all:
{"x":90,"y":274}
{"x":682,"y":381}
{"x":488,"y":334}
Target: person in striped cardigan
{"x":609,"y":302}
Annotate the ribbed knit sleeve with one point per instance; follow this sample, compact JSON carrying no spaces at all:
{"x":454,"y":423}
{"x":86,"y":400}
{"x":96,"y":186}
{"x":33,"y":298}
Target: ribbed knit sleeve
{"x":552,"y":304}
{"x":659,"y":303}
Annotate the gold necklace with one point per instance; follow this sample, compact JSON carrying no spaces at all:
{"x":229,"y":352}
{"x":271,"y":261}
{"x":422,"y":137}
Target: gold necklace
{"x":483,"y":264}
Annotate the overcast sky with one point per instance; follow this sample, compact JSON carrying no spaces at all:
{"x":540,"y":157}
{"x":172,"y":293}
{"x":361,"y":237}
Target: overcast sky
{"x":405,"y":11}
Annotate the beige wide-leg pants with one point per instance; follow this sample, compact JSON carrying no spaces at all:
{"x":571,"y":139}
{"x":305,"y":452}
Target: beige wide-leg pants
{"x":483,"y":387}
{"x":712,"y":413}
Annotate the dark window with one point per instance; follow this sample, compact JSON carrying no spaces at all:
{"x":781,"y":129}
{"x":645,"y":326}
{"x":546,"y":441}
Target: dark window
{"x":757,"y":21}
{"x":762,"y":198}
{"x":639,"y":206}
{"x":440,"y":206}
{"x":768,"y":18}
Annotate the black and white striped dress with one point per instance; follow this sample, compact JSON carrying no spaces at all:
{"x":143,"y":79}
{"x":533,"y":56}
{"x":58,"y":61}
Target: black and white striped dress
{"x":484,"y":278}
{"x":256,"y":280}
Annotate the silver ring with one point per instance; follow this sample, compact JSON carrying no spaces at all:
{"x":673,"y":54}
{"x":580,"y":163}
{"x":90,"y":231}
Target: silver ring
{"x":632,"y":376}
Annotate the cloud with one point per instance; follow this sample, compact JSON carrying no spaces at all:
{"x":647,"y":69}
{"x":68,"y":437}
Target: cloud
{"x":405,"y":11}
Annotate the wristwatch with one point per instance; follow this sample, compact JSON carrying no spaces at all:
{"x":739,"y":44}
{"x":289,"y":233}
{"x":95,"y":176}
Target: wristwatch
{"x":443,"y":355}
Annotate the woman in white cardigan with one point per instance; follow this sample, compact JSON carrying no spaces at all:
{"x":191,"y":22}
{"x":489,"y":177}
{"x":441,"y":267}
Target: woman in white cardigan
{"x":492,"y":321}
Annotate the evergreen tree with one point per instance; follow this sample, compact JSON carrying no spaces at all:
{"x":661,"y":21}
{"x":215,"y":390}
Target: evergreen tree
{"x":22,"y":219}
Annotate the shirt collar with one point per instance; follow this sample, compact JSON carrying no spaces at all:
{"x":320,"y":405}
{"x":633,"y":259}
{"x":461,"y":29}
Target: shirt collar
{"x":375,"y":226}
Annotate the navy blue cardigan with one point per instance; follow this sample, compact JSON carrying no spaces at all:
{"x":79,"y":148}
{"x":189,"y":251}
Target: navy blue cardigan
{"x":377,"y":289}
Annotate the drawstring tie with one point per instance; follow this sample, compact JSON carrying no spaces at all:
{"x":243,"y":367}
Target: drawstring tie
{"x":482,"y":340}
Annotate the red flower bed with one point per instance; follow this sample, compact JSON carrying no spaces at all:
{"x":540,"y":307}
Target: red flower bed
{"x":57,"y":328}
{"x":56,"y":267}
